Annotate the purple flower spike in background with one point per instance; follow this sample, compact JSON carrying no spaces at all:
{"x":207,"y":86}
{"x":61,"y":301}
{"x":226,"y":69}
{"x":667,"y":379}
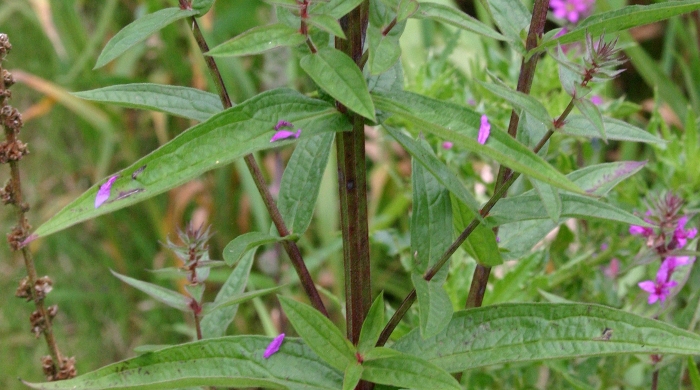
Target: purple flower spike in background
{"x":281,"y":124}
{"x":274,"y":346}
{"x":659,"y":290}
{"x":104,"y":191}
{"x":447,"y":145}
{"x":681,"y":235}
{"x":597,"y":100}
{"x":571,"y":10}
{"x":284,"y":134}
{"x":484,"y":130}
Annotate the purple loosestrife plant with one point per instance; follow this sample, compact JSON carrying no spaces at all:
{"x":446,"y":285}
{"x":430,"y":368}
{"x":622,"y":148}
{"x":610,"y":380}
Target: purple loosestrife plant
{"x":572,"y":10}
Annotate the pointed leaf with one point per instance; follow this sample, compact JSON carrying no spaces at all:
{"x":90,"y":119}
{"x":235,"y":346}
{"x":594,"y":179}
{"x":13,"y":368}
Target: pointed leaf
{"x":511,"y":17}
{"x":621,"y":19}
{"x":461,"y":126}
{"x":224,"y":362}
{"x":214,"y":324}
{"x":384,"y":50}
{"x":550,"y":199}
{"x":436,"y":167}
{"x":160,"y":294}
{"x":235,"y":300}
{"x":522,"y":101}
{"x":456,"y":18}
{"x":337,"y":74}
{"x":335,"y":8}
{"x":301,"y":181}
{"x":599,"y":179}
{"x":353,"y":374}
{"x":243,"y":244}
{"x":319,"y":333}
{"x":202,"y":6}
{"x":406,"y":371}
{"x":328,"y":24}
{"x":221,"y":139}
{"x":138,"y":31}
{"x":406,"y":9}
{"x":373,"y":325}
{"x":615,"y":129}
{"x":591,"y":112}
{"x":181,"y":101}
{"x":434,"y":305}
{"x":526,"y":332}
{"x":481,"y":243}
{"x":258,"y":40}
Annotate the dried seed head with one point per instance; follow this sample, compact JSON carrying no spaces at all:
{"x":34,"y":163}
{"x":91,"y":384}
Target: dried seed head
{"x":38,"y":323}
{"x":7,"y":194}
{"x":48,"y":368}
{"x":12,"y":151}
{"x":11,"y":118}
{"x":24,"y":290}
{"x":52,"y":311}
{"x":7,"y":78}
{"x":67,"y":370}
{"x":5,"y":46}
{"x":43,"y":286}
{"x":15,"y":237}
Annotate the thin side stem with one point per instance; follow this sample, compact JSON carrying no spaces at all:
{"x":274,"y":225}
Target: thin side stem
{"x":290,"y":247}
{"x":527,"y":73}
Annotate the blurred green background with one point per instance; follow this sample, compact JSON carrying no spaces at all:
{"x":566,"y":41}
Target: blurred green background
{"x":74,"y":144}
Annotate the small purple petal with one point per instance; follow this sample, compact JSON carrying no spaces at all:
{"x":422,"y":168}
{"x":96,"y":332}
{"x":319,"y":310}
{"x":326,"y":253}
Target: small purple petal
{"x":647,"y":286}
{"x":284,"y":134}
{"x":447,"y":145}
{"x":29,"y":239}
{"x":484,"y":130}
{"x":104,"y":191}
{"x":281,"y":124}
{"x":274,"y":346}
{"x":597,"y":100}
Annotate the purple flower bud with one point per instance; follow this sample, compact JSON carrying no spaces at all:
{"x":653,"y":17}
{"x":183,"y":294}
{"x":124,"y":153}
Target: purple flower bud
{"x":274,"y":346}
{"x":484,"y":130}
{"x":284,"y":134}
{"x":281,"y":124}
{"x":104,"y":191}
{"x":447,"y":145}
{"x":597,"y":100}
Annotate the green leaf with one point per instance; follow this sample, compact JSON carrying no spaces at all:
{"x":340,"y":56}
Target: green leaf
{"x":520,"y":100}
{"x":160,"y":294}
{"x":525,"y":207}
{"x":202,"y":6}
{"x":481,"y":243}
{"x":353,"y":374}
{"x":335,"y":8}
{"x":234,"y":301}
{"x":621,"y":19}
{"x":243,"y":244}
{"x":138,"y":31}
{"x":405,"y":371}
{"x":181,"y":101}
{"x":214,"y":324}
{"x":434,"y":305}
{"x":406,"y":9}
{"x":591,"y":112}
{"x":693,"y":373}
{"x":258,"y":40}
{"x":461,"y":125}
{"x":384,"y":50}
{"x":225,"y":362}
{"x":615,"y":129}
{"x":511,"y":17}
{"x":526,"y":332}
{"x":550,"y":199}
{"x":599,"y":179}
{"x":514,"y":286}
{"x":319,"y":334}
{"x":456,"y":18}
{"x":224,"y":137}
{"x":301,"y":181}
{"x":437,"y":168}
{"x":373,"y":325}
{"x":328,"y":24}
{"x":337,"y":74}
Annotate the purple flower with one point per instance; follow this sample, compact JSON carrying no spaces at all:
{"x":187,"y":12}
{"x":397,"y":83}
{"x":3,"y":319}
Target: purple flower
{"x":597,"y":100}
{"x":612,"y":269}
{"x":659,"y":290}
{"x":283,"y":124}
{"x":636,"y":230}
{"x":680,"y":235}
{"x":571,"y":10}
{"x":104,"y":191}
{"x":274,"y":346}
{"x":671,"y":262}
{"x":447,"y":145}
{"x":484,"y":130}
{"x":284,"y":134}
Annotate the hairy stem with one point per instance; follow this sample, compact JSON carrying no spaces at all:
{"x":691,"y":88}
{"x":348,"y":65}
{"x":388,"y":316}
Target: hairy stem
{"x":290,"y":247}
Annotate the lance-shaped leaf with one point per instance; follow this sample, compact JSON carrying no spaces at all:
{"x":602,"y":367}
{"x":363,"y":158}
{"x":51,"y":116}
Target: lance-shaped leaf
{"x":406,"y":9}
{"x":353,"y":374}
{"x":522,"y":101}
{"x":226,"y":362}
{"x":526,"y":332}
{"x":481,"y":243}
{"x":434,"y":305}
{"x":328,"y":24}
{"x":457,"y":18}
{"x":138,"y":31}
{"x":390,"y":367}
{"x":591,"y":112}
{"x":525,"y":207}
{"x":319,"y":333}
{"x":511,"y":17}
{"x":384,"y":49}
{"x":160,"y":294}
{"x":550,"y":199}
{"x":202,"y":6}
{"x":461,"y":125}
{"x":258,"y":40}
{"x":235,"y":300}
{"x":186,"y":102}
{"x":615,"y":129}
{"x":214,"y":324}
{"x":621,"y":19}
{"x":339,"y":76}
{"x":222,"y":138}
{"x":301,"y":181}
{"x":245,"y":243}
{"x":599,"y":179}
{"x":373,"y":325}
{"x":335,"y":8}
